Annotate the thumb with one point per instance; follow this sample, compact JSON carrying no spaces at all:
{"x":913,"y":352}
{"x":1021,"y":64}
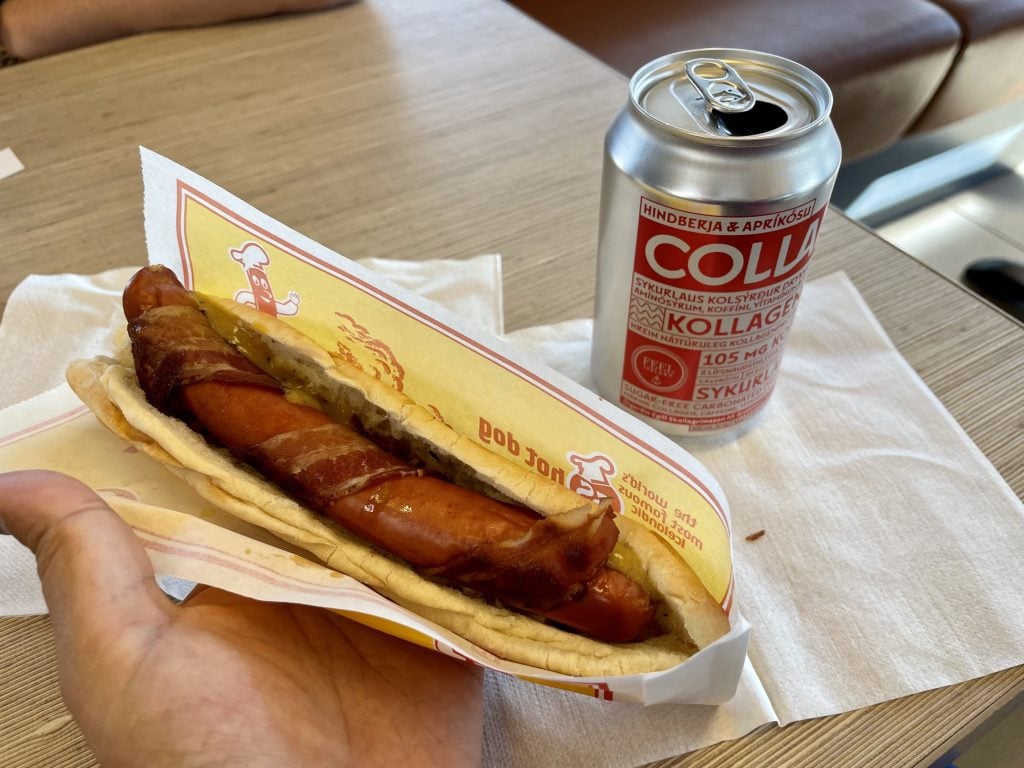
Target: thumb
{"x":97,"y":579}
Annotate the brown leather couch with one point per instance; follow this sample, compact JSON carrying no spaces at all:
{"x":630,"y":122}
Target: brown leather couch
{"x":894,"y":66}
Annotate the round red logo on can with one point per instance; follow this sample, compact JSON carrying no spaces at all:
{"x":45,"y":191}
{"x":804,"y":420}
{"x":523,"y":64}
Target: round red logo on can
{"x":658,"y":368}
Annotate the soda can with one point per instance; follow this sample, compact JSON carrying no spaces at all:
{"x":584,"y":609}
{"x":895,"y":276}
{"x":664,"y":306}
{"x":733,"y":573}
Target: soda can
{"x":717,"y":173}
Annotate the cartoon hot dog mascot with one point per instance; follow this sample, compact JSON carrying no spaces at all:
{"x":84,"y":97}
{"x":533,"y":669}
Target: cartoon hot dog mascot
{"x":266,"y":425}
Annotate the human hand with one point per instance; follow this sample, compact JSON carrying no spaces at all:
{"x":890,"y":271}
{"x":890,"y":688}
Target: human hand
{"x":223,"y":680}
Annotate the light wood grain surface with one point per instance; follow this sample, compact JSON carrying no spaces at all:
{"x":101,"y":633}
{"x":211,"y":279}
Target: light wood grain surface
{"x":391,"y":128}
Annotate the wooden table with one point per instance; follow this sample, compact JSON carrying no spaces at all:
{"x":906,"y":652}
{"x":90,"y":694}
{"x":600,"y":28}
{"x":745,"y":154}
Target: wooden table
{"x":391,"y":128}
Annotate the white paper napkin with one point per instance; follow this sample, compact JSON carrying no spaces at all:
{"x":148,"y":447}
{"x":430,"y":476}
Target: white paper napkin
{"x":9,"y":163}
{"x":891,"y":561}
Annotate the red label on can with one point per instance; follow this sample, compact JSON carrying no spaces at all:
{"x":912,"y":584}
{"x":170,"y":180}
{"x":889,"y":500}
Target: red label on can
{"x":711,"y":304}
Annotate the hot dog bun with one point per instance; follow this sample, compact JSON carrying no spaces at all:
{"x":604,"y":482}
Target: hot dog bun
{"x":111,"y":389}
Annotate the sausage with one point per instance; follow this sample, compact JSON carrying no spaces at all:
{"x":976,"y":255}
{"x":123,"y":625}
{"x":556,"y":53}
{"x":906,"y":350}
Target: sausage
{"x":547,"y":567}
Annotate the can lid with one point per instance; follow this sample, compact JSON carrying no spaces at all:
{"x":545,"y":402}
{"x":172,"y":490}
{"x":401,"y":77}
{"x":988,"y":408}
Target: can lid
{"x":726,"y":95}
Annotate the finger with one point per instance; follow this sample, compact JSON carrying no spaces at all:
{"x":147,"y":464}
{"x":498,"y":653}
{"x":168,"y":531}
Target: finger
{"x":97,"y":579}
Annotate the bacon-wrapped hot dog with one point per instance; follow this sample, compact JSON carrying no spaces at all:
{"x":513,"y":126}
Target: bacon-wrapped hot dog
{"x":502,"y":551}
{"x":552,"y":566}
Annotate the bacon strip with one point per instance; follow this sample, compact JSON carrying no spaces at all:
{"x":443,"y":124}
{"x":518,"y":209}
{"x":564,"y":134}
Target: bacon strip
{"x":546,"y":567}
{"x":320,"y":464}
{"x":174,"y":346}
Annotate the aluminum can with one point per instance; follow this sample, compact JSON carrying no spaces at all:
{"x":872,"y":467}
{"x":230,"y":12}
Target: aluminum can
{"x":717,"y":173}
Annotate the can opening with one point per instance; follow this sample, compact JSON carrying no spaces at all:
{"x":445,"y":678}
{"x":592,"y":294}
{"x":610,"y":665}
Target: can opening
{"x":733,"y":105}
{"x":760,"y":118}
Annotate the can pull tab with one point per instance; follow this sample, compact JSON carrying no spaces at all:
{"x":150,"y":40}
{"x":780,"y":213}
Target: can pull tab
{"x":732,"y":107}
{"x":720,"y":85}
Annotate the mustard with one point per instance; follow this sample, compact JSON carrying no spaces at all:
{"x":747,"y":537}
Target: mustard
{"x":624,"y":560}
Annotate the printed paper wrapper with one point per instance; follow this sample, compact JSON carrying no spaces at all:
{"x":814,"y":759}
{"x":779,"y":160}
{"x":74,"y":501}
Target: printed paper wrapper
{"x":219,"y":245}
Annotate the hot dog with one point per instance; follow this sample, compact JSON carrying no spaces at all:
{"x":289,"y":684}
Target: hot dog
{"x":502,"y":551}
{"x":370,"y":460}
